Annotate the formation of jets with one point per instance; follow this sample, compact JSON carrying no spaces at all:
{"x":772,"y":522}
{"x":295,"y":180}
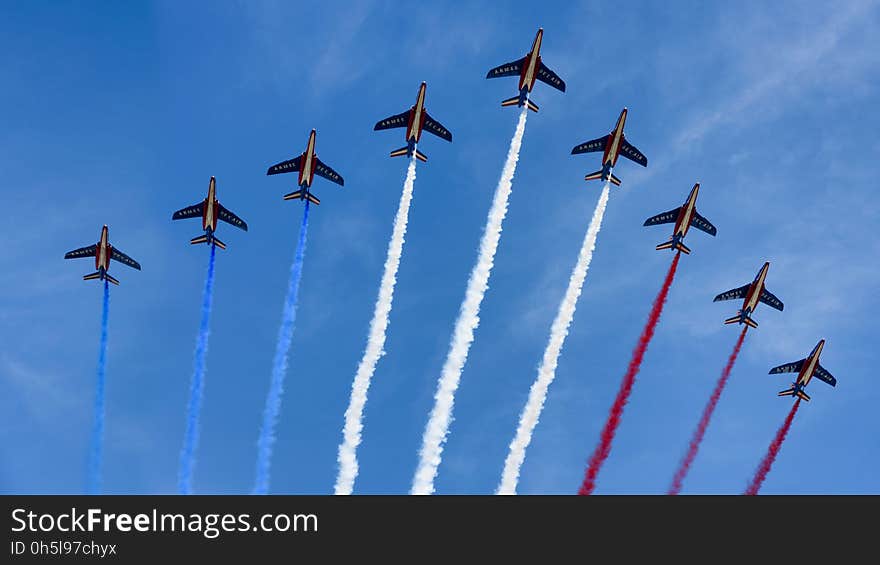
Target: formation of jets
{"x":416,"y":120}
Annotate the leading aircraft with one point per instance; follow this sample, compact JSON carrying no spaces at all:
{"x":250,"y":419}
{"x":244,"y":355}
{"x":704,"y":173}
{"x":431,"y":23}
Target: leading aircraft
{"x":210,"y":210}
{"x":752,"y":293}
{"x":529,"y":69}
{"x":684,"y":217}
{"x":414,"y":120}
{"x":102,"y":252}
{"x":613,"y":145}
{"x":806,"y":370}
{"x":308,"y":165}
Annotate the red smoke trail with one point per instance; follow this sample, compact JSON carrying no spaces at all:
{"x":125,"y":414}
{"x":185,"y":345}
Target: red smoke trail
{"x":604,"y":448}
{"x":707,"y":415}
{"x":772,"y":452}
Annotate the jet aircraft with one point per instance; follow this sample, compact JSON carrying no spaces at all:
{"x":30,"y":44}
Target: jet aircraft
{"x":751,"y":294}
{"x":529,"y":69}
{"x":210,"y":210}
{"x":684,"y":217}
{"x":415,"y":120}
{"x":806,"y":370}
{"x":102,"y":252}
{"x":308,"y":165}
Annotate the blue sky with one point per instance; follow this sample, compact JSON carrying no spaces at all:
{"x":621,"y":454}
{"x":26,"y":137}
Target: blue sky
{"x":119,"y":114}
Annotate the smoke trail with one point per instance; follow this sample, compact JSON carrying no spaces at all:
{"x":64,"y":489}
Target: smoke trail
{"x":96,"y":455}
{"x":468,"y":319}
{"x":547,"y":371}
{"x":697,"y":438}
{"x":772,"y":452}
{"x":604,"y":448}
{"x":347,"y":457}
{"x":279,"y":363}
{"x":194,"y":406}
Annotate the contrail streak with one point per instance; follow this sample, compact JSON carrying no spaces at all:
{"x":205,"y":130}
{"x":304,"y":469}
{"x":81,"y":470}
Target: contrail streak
{"x":96,"y":455}
{"x":603,"y":449}
{"x":468,"y":319}
{"x":772,"y":452}
{"x":347,"y":457}
{"x":194,"y":406}
{"x":279,"y":363}
{"x":697,"y":438}
{"x":547,"y":371}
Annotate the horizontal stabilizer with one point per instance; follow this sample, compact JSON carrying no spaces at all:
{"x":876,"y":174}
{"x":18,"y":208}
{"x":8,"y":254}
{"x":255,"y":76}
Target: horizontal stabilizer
{"x":792,"y":392}
{"x":615,"y":180}
{"x":400,"y":152}
{"x":219,"y":243}
{"x":677,"y":245}
{"x":111,"y":279}
{"x":421,"y":156}
{"x":511,"y":101}
{"x":532,"y":106}
{"x":293,"y":195}
{"x":199,"y":239}
{"x":92,"y":276}
{"x":594,"y":176}
{"x":312,"y":198}
{"x":739,"y":319}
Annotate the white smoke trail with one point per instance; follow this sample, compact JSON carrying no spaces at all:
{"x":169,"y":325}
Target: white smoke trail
{"x":347,"y":457}
{"x":547,"y":371}
{"x":468,"y":319}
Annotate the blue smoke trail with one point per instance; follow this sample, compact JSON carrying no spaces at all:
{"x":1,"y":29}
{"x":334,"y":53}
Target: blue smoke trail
{"x":194,"y":407}
{"x":279,"y":363}
{"x":97,"y":452}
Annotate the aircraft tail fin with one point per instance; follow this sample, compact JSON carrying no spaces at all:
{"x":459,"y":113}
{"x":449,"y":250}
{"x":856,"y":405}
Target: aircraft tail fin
{"x":740,"y":319}
{"x":674,"y":244}
{"x":794,"y":392}
{"x":204,"y":239}
{"x":400,"y":152}
{"x":98,"y":275}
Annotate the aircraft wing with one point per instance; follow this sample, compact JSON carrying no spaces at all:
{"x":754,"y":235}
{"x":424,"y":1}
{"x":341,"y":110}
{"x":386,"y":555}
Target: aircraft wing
{"x":435,"y":127}
{"x":703,"y":224}
{"x":82,"y":252}
{"x":630,"y":152}
{"x":398,"y":121}
{"x":193,"y":211}
{"x":289,"y":166}
{"x":824,"y":376}
{"x":547,"y":76}
{"x":793,"y":367}
{"x":125,"y":259}
{"x":230,"y":218}
{"x":323,"y":170}
{"x":768,"y":298}
{"x":733,"y":293}
{"x":664,"y":218}
{"x":597,"y":144}
{"x":514,"y":68}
